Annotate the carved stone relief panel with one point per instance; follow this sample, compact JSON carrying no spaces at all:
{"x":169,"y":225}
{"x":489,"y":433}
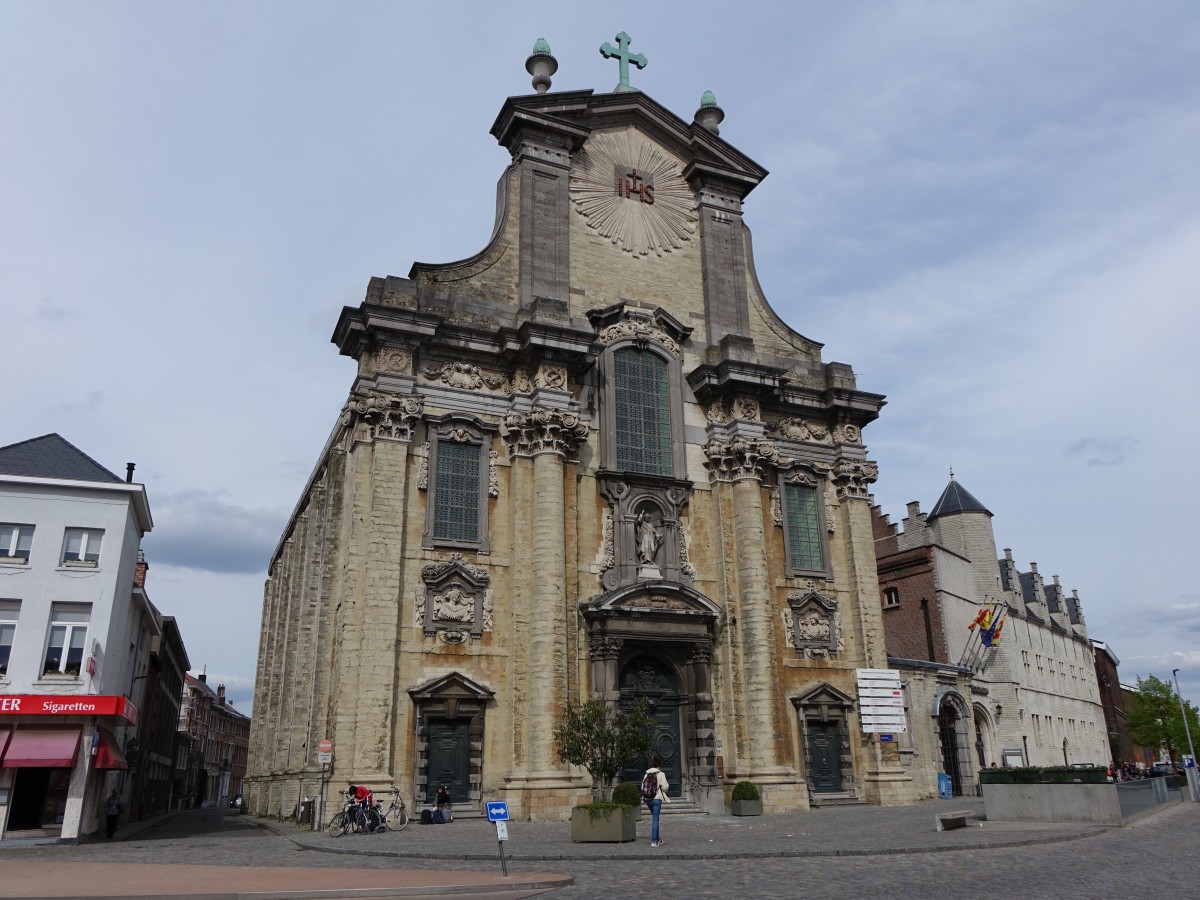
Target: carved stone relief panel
{"x":455,"y":601}
{"x":645,"y":529}
{"x":813,"y":624}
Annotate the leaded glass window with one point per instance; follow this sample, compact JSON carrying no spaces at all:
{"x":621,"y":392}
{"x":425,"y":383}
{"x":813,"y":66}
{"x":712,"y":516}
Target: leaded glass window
{"x":456,"y":493}
{"x":803,"y":528}
{"x":643,"y":428}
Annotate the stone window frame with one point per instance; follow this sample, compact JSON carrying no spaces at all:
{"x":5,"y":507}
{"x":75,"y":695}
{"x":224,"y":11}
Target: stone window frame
{"x":608,"y":403}
{"x":463,"y":429}
{"x":891,"y":598}
{"x":802,"y":473}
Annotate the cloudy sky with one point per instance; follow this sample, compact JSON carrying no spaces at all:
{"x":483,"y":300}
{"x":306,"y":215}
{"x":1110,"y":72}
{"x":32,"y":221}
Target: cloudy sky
{"x":991,"y":210}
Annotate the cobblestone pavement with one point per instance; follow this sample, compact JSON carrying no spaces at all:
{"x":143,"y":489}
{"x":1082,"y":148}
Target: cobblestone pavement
{"x":831,"y":853}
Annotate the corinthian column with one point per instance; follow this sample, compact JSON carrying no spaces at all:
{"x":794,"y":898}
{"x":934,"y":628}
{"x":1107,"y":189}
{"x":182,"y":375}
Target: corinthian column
{"x":548,"y":437}
{"x":739,"y":463}
{"x":382,"y":429}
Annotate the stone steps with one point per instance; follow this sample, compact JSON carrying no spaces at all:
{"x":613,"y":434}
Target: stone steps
{"x":825,"y":801}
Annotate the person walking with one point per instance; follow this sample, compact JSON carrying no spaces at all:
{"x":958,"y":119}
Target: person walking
{"x":654,"y":790}
{"x":112,"y":811}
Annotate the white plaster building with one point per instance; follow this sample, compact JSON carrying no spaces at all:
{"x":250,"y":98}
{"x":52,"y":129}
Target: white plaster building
{"x":1034,"y":699}
{"x":74,"y":635}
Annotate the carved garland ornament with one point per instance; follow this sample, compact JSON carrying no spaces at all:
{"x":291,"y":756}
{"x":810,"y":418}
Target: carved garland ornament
{"x":640,"y":221}
{"x":542,"y":430}
{"x":463,"y":375}
{"x":636,"y":328}
{"x":815,"y":432}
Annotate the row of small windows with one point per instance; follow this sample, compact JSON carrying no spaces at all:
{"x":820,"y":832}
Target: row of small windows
{"x":66,"y":636}
{"x":80,"y":546}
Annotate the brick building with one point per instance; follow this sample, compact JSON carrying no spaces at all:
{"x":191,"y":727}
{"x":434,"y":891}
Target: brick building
{"x":220,"y":738}
{"x":589,"y":461}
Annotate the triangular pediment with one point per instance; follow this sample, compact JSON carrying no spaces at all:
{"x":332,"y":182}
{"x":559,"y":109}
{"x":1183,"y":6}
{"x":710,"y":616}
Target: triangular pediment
{"x":574,"y":115}
{"x":824,"y":695}
{"x":455,"y":685}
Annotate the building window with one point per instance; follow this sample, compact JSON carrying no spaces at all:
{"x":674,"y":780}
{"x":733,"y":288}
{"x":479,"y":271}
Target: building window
{"x":81,"y":547}
{"x":456,"y":514}
{"x":68,"y":635}
{"x":802,"y":527}
{"x":891,"y":598}
{"x":15,"y":541}
{"x":642,"y":384}
{"x":9,"y":611}
{"x":456,"y":492}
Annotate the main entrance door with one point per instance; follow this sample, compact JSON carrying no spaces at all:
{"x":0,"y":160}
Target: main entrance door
{"x":948,"y":733}
{"x":449,"y":755}
{"x":651,"y":678}
{"x":825,"y":756}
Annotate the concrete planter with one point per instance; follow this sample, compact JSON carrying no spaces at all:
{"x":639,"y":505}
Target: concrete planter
{"x":745,"y":807}
{"x":1052,"y":803}
{"x":609,"y":826}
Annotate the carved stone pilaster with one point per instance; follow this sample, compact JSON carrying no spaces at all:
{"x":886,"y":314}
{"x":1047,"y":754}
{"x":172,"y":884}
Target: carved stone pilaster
{"x":738,"y":459}
{"x":853,"y":478}
{"x":388,"y":417}
{"x":542,"y":430}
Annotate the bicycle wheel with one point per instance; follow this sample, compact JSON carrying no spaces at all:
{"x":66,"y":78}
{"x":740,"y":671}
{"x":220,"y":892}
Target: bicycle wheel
{"x":339,"y":824}
{"x":373,"y":822}
{"x":397,"y":818}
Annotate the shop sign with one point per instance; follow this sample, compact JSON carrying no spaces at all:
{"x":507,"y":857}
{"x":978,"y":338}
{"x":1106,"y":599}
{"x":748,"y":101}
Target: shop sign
{"x":67,"y":705}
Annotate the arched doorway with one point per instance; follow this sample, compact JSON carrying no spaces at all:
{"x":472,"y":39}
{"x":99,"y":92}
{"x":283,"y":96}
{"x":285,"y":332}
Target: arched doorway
{"x":948,"y":728}
{"x":650,"y":678}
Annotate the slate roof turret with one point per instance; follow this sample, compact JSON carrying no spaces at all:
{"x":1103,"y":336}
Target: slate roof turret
{"x":956,"y":499}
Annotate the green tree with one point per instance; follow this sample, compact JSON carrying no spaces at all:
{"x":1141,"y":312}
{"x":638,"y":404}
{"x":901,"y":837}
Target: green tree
{"x":1154,"y":721}
{"x":601,"y":739}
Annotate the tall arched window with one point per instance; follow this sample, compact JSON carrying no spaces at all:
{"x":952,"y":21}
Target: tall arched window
{"x":642,"y":384}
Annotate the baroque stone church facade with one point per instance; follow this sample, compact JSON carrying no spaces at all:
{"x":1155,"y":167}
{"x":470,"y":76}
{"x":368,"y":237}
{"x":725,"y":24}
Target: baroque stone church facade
{"x":590,"y":460}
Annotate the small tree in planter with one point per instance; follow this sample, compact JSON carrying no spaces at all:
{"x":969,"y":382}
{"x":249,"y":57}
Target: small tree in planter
{"x":745,"y":800}
{"x":601,"y":738}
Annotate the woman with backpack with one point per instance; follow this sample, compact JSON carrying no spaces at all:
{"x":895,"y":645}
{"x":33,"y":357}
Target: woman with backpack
{"x":654,"y":791}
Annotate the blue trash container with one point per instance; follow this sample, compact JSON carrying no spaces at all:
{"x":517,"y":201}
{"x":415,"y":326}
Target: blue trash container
{"x":945,"y":786}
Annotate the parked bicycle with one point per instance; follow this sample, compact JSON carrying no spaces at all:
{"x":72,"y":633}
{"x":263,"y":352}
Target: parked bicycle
{"x":357,"y":818}
{"x":396,"y":816}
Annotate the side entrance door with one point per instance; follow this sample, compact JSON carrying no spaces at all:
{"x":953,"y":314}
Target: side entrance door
{"x":825,"y":755}
{"x":449,"y":746}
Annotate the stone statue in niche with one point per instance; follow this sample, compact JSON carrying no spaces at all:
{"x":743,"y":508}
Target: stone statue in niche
{"x":648,"y":538}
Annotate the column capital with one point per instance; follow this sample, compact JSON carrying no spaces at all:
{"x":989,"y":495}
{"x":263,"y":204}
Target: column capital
{"x":542,"y":430}
{"x":388,"y":417}
{"x":853,"y":478}
{"x":738,"y":459}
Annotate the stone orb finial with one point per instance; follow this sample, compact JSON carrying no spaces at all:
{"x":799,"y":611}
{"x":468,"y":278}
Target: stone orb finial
{"x":709,"y":115}
{"x":541,"y":65}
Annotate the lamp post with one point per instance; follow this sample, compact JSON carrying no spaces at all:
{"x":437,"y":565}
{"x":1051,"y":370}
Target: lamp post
{"x":1183,"y":712}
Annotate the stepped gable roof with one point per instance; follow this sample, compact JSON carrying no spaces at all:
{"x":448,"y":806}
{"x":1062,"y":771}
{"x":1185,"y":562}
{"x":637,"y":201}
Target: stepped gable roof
{"x":956,"y":499}
{"x":49,"y":456}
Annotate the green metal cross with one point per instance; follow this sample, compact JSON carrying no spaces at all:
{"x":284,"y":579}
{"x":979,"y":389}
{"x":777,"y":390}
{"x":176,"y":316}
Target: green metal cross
{"x":624,"y":57}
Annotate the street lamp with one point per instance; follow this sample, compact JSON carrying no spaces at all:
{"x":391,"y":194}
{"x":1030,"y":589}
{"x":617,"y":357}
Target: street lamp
{"x":1183,"y":712}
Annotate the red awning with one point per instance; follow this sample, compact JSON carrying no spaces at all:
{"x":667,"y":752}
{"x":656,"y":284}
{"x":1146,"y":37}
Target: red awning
{"x":4,"y":734}
{"x":108,"y":754}
{"x":42,"y":748}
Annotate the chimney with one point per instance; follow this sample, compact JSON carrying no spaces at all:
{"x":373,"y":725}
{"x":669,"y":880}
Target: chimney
{"x":129,"y":467}
{"x":221,"y":694}
{"x":139,"y":573}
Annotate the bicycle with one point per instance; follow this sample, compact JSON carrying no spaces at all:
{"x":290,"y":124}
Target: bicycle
{"x":346,"y":819}
{"x":396,"y":816}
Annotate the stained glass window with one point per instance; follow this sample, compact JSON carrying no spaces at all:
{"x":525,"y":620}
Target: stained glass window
{"x":643,"y":390}
{"x":803,"y":528}
{"x":456,"y":494}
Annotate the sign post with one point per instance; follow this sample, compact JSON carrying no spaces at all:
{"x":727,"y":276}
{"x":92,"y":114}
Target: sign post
{"x":881,"y":702}
{"x":497,"y":811}
{"x":325,"y":758}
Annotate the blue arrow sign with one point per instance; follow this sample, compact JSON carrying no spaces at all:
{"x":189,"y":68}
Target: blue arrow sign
{"x":497,"y":810}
